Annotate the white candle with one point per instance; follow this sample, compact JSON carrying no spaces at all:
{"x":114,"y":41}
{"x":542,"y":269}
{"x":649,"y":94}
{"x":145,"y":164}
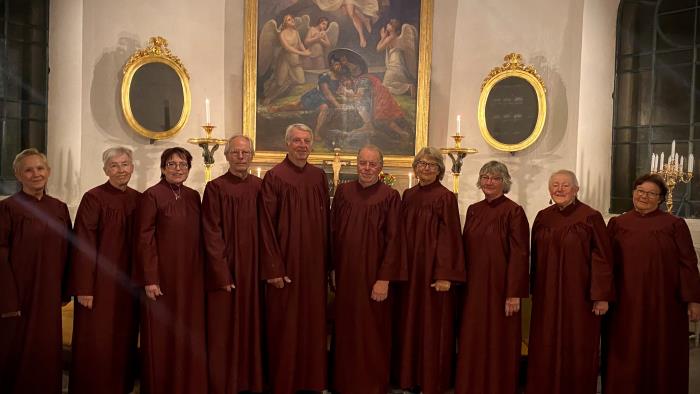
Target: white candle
{"x":207,"y":110}
{"x":661,"y":162}
{"x":681,"y":165}
{"x":673,"y":148}
{"x":675,"y":161}
{"x":652,"y":163}
{"x":691,"y":161}
{"x":459,"y":124}
{"x":259,"y":172}
{"x":656,"y":163}
{"x":410,"y":180}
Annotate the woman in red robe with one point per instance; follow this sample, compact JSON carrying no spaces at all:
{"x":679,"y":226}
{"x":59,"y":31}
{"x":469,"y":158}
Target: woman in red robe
{"x":496,"y":244}
{"x":658,"y":288}
{"x":431,"y":230}
{"x":571,"y":272}
{"x":170,"y":267}
{"x":34,"y":247}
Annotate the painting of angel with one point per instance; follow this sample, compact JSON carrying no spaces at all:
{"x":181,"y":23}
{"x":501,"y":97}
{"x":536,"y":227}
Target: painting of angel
{"x":401,"y":60}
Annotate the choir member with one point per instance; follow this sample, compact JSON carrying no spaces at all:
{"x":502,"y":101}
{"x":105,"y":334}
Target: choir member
{"x":230,"y":231}
{"x":571,"y":271}
{"x":294,"y":240}
{"x":658,"y":289}
{"x":34,"y":246}
{"x":496,"y":246}
{"x":169,"y":265}
{"x":366,"y":257}
{"x":435,"y":260}
{"x":105,"y":323}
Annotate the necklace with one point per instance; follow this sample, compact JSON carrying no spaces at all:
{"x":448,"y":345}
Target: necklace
{"x":177,"y":193}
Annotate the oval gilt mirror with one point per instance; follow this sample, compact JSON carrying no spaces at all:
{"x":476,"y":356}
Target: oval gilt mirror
{"x":512,"y":106}
{"x":155,"y":91}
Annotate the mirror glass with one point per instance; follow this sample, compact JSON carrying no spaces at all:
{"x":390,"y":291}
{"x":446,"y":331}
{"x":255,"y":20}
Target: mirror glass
{"x":511,"y":110}
{"x":156,"y":97}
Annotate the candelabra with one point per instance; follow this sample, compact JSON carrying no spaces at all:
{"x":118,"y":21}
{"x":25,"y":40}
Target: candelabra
{"x":672,"y":171}
{"x":457,"y":155}
{"x":209,"y":145}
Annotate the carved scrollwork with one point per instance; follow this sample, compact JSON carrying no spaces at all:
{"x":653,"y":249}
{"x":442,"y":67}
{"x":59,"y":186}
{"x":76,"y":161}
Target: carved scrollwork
{"x":512,"y":62}
{"x":158,"y":46}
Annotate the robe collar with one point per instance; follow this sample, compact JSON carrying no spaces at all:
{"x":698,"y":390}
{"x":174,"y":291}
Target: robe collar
{"x":651,"y":214}
{"x":369,"y":188}
{"x":429,"y":187}
{"x":112,"y":189}
{"x":496,"y":201}
{"x":569,"y":208}
{"x":294,"y":166}
{"x":26,"y":196}
{"x":235,"y":178}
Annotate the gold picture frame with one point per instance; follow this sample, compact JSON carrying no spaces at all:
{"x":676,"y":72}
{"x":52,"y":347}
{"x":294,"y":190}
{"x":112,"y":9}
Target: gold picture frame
{"x":251,"y":104}
{"x":156,"y":52}
{"x":512,"y":67}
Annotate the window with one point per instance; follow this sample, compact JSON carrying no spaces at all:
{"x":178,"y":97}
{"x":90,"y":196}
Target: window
{"x":23,"y":82}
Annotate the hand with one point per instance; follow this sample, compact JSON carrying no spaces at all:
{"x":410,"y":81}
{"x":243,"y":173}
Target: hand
{"x":306,"y":52}
{"x":229,"y":287}
{"x":693,"y":311}
{"x":512,"y":306}
{"x":85,"y":301}
{"x":153,"y":291}
{"x":380,"y":290}
{"x":279,"y":282}
{"x":600,"y":307}
{"x":441,"y":285}
{"x":382,"y":32}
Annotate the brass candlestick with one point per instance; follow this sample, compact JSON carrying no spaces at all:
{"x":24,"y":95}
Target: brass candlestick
{"x":457,"y":155}
{"x":209,"y":145}
{"x":673,"y":174}
{"x":336,"y":164}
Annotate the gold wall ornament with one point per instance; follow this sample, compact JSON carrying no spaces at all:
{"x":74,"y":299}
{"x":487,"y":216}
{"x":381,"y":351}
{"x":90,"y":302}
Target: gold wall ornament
{"x":155,"y":91}
{"x":512,"y":105}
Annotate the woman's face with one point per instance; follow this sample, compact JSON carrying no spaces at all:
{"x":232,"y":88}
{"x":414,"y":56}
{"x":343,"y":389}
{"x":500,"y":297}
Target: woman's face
{"x":646,"y":197}
{"x":176,"y":169}
{"x":562,"y":189}
{"x":492,"y":185}
{"x":427,"y":170}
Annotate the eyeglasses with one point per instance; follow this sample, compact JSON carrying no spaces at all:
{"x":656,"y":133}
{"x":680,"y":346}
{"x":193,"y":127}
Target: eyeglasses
{"x":172,"y":165}
{"x":244,"y":153}
{"x":485,"y":178}
{"x":370,"y":164}
{"x":427,"y":165}
{"x":645,"y":193}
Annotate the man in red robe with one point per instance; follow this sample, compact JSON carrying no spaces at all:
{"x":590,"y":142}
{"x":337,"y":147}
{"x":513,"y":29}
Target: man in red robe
{"x":367,"y":255}
{"x":230,"y":232}
{"x":34,"y":246}
{"x":294,"y":238}
{"x":105,"y":325}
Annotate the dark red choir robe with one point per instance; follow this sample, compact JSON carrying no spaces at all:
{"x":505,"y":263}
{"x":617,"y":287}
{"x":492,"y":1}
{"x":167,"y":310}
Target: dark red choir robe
{"x":169,"y":254}
{"x":571,"y":267}
{"x":234,"y":331}
{"x":294,"y":241}
{"x":656,"y":276}
{"x":34,"y":248}
{"x":496,"y":244}
{"x":104,"y":337}
{"x":432,"y":239}
{"x":366,"y":248}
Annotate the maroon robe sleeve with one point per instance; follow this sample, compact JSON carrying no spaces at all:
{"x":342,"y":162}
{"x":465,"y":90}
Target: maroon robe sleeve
{"x":146,"y":263}
{"x":689,"y":277}
{"x":393,"y":266}
{"x":517,"y":269}
{"x":68,"y":257}
{"x":9,"y":302}
{"x":271,"y":262}
{"x":83,"y":267}
{"x":601,"y":260}
{"x":449,"y":263}
{"x":338,"y":199}
{"x":218,"y":274}
{"x":533,"y":252}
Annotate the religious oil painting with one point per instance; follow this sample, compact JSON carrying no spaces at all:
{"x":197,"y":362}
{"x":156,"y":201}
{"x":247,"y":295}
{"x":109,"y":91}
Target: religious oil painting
{"x":355,"y":71}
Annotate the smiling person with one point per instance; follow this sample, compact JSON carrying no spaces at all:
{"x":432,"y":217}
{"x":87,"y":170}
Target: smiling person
{"x":496,"y":244}
{"x":230,"y":227}
{"x":367,"y":256}
{"x":169,"y":266}
{"x":294,"y":241}
{"x":34,"y":247}
{"x":572,"y":283}
{"x":435,"y":260}
{"x":105,"y":325}
{"x":658,"y":285}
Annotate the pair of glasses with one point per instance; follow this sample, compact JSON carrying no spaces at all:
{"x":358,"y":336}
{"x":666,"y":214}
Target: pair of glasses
{"x":427,"y":165}
{"x":370,"y":164}
{"x":486,"y":178}
{"x":172,"y":165}
{"x":244,"y":153}
{"x":645,"y":193}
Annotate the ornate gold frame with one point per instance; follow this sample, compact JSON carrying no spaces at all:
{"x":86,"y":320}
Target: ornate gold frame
{"x":423,"y":89}
{"x":513,"y":67}
{"x":156,"y":52}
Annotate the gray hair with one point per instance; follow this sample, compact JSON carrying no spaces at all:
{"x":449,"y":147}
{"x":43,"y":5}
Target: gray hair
{"x":110,"y":153}
{"x":300,"y":126}
{"x":432,"y":153}
{"x":496,"y":168}
{"x":227,"y":148}
{"x":26,"y":153}
{"x":568,"y":173}
{"x":373,"y":148}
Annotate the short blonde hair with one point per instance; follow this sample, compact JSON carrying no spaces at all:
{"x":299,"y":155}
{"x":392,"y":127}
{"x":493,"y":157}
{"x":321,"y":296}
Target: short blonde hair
{"x":108,"y":154}
{"x":434,"y":154}
{"x":300,"y":126}
{"x":26,"y":153}
{"x":496,"y":168}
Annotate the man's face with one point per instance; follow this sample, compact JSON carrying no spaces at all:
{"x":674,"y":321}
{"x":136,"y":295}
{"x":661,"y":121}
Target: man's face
{"x":368,"y":167}
{"x":33,"y":173}
{"x":289,"y":21}
{"x":239,"y":155}
{"x":336,"y":66}
{"x":119,"y":169}
{"x":299,"y":145}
